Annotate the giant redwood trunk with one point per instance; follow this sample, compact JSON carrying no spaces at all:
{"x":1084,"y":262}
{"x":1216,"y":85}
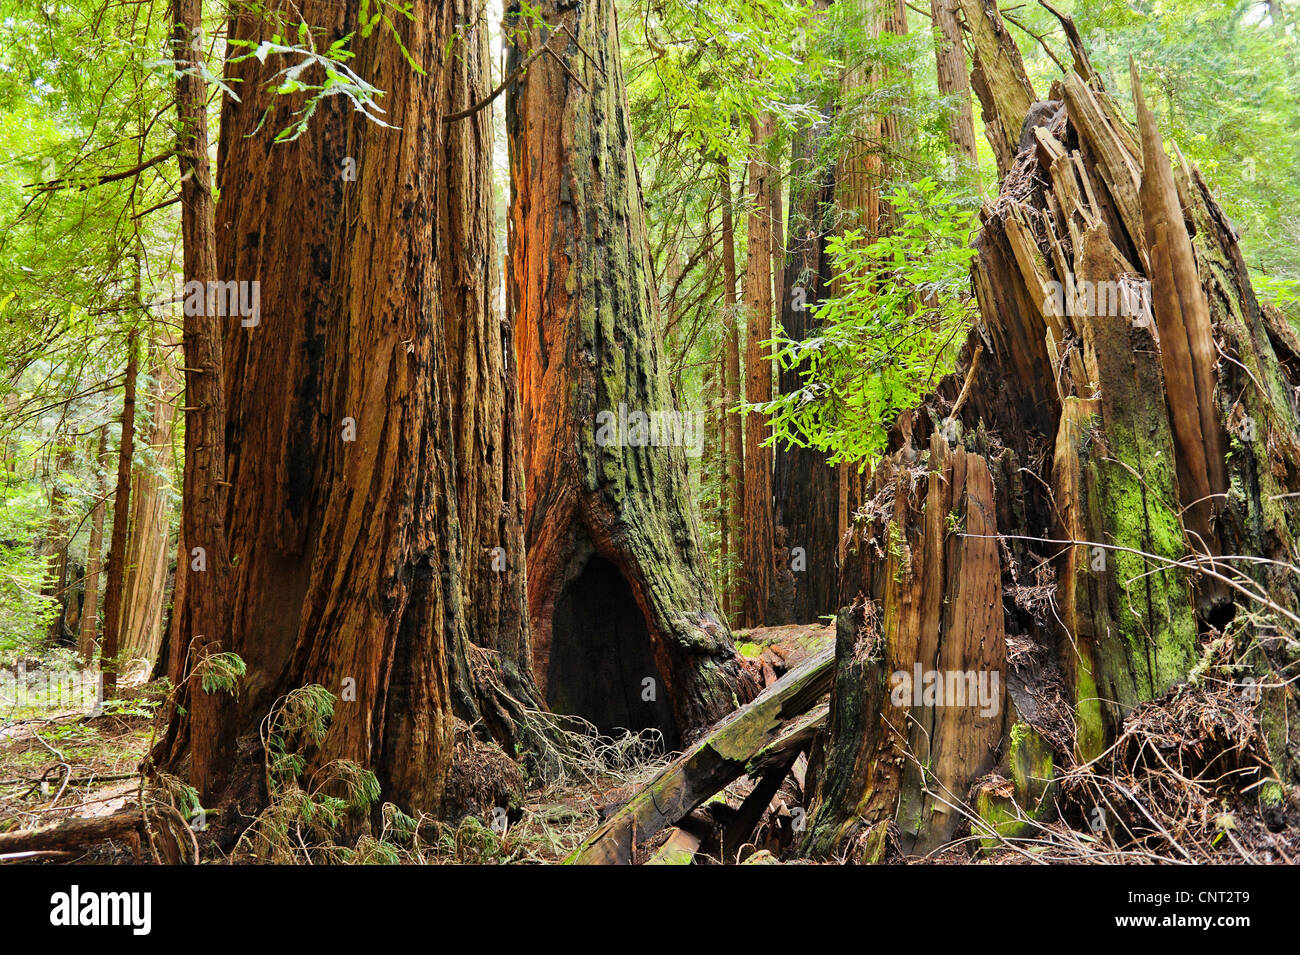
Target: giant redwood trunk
{"x":1054,"y":547}
{"x":625,"y":626}
{"x":347,"y":565}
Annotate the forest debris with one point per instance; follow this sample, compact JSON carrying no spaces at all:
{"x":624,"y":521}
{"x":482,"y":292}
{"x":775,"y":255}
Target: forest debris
{"x":481,"y":777}
{"x":756,"y":803}
{"x":724,"y":754}
{"x":778,"y":650}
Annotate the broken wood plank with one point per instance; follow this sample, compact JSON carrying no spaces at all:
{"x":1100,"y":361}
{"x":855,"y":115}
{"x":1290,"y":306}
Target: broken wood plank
{"x":722,"y":756}
{"x":751,"y":810}
{"x":680,"y":849}
{"x":999,"y":79}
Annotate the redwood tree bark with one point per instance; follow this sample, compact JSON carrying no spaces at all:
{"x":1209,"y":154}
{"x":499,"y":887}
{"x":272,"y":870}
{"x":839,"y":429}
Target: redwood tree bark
{"x":203,"y":564}
{"x":758,"y":540}
{"x":625,"y":625}
{"x":954,"y":83}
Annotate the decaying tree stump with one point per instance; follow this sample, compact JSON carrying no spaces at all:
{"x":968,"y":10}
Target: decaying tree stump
{"x":1118,"y":484}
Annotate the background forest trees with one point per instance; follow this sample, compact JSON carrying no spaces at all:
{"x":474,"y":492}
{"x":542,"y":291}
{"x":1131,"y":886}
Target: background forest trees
{"x":826,"y":74}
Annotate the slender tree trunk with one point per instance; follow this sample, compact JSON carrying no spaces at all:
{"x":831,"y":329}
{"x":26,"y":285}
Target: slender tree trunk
{"x":94,"y":564}
{"x":204,"y":559}
{"x":56,"y":543}
{"x":172,"y":660}
{"x":758,"y":539}
{"x":954,"y":84}
{"x":116,"y":572}
{"x":626,"y":630}
{"x":777,"y":237}
{"x":721,"y":467}
{"x":785,"y":560}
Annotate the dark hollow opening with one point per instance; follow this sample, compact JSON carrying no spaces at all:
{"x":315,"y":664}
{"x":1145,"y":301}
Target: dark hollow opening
{"x":1222,"y":613}
{"x":601,"y":657}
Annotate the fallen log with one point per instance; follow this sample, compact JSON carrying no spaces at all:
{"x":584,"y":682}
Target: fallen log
{"x":67,"y":834}
{"x":753,"y":733}
{"x":44,"y":855}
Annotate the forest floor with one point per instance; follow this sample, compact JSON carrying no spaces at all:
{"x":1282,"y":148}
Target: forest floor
{"x":61,"y":763}
{"x":70,"y":764}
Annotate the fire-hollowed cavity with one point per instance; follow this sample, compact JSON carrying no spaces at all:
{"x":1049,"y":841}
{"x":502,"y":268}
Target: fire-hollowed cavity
{"x":602,"y":665}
